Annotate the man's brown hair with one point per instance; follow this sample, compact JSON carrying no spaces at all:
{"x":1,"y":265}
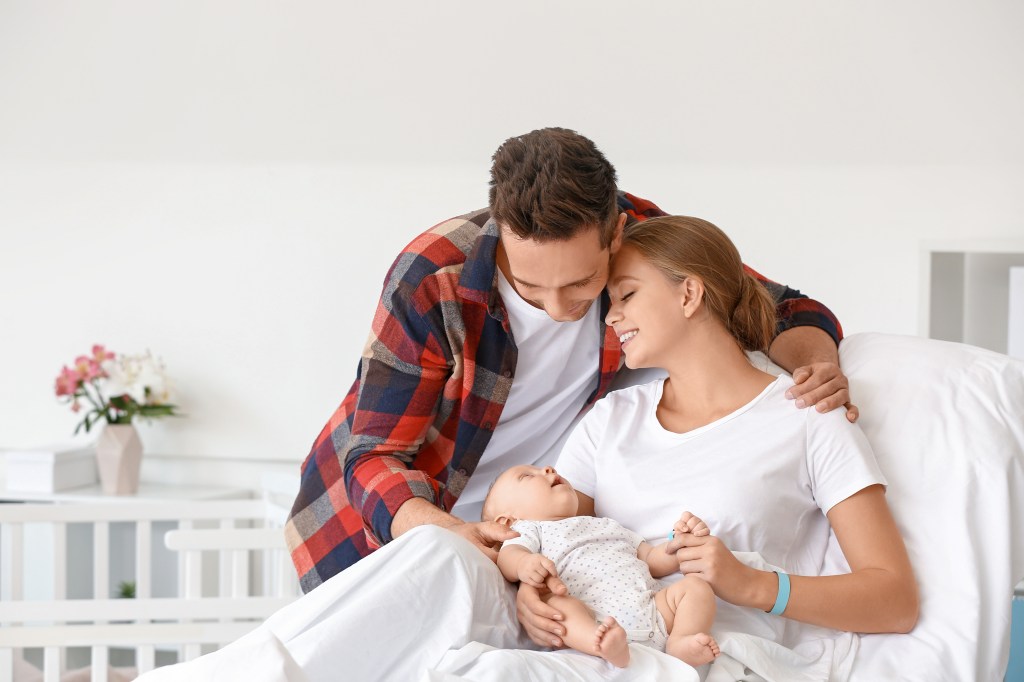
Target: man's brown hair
{"x":552,"y":183}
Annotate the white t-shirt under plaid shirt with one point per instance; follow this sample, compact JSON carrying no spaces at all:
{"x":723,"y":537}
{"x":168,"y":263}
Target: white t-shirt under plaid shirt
{"x":596,"y":559}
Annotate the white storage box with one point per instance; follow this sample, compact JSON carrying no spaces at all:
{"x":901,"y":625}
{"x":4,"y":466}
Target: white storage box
{"x":48,"y":470}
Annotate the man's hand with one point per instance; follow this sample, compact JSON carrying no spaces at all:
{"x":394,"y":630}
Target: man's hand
{"x":487,"y":536}
{"x":541,"y":621}
{"x":823,"y":385}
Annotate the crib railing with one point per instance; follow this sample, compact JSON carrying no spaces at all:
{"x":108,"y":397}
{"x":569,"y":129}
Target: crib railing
{"x":228,"y":539}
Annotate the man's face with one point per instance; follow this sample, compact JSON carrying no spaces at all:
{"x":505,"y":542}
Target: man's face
{"x":563,"y":278}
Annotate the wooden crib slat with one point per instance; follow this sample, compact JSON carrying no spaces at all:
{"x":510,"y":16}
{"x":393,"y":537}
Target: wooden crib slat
{"x":51,"y":664}
{"x":239,"y":573}
{"x":6,"y":665}
{"x":145,"y":658}
{"x":225,"y":567}
{"x":100,"y":661}
{"x":81,"y":610}
{"x":191,"y":569}
{"x":60,"y":557}
{"x":12,"y":549}
{"x":101,"y":560}
{"x":143,"y":559}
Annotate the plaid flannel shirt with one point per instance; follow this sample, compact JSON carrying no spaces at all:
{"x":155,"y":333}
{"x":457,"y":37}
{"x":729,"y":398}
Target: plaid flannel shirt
{"x":429,"y":391}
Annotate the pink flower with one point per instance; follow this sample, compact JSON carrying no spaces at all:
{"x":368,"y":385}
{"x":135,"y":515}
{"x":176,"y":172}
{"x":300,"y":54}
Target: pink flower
{"x":76,"y":406}
{"x":100,"y":353}
{"x":67,"y":382}
{"x":88,"y":368}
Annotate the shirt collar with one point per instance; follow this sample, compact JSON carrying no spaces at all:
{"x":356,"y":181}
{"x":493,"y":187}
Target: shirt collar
{"x":477,"y":282}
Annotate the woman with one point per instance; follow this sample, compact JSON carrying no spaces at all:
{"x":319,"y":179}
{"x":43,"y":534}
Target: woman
{"x":718,"y":438}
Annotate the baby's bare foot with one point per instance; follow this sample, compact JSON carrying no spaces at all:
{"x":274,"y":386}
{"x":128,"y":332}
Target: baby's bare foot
{"x":695,"y":649}
{"x":610,"y":643}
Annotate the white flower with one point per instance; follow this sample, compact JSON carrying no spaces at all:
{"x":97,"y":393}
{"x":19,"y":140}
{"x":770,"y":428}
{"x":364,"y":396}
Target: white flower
{"x":142,"y":377}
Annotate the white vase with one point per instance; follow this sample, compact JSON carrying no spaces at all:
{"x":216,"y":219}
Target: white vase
{"x":118,"y":457}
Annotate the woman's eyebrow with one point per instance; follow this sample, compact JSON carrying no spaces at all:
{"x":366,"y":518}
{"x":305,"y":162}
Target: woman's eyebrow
{"x":621,"y":278}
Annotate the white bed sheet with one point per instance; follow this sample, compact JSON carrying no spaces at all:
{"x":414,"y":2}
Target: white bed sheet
{"x":946,"y":424}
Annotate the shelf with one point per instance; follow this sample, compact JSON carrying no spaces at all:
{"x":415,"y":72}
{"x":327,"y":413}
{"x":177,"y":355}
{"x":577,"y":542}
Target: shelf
{"x":965,"y":291}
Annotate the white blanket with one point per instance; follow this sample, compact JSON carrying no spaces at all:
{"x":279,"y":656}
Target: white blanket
{"x":945,"y":421}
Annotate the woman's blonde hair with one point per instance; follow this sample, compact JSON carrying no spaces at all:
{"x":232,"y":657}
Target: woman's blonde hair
{"x":681,"y":247}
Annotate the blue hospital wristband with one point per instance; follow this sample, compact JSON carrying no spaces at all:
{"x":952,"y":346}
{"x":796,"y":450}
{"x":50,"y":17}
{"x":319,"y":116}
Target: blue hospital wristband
{"x":782,"y":600}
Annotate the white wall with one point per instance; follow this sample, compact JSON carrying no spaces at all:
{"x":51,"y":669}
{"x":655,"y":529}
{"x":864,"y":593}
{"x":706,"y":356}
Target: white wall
{"x":226,"y":183}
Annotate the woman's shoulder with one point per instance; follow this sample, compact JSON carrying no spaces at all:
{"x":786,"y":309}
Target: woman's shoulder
{"x":631,"y":396}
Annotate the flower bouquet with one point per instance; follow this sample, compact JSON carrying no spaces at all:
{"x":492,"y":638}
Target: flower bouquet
{"x":115,"y":389}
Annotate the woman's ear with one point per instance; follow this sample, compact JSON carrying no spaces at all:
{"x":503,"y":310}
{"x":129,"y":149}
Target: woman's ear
{"x":691,"y":297}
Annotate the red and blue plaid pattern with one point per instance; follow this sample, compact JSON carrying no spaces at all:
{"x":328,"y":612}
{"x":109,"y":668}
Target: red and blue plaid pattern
{"x":429,"y":390}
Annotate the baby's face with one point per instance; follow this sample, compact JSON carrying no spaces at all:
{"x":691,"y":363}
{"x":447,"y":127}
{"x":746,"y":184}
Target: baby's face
{"x":533,"y":494}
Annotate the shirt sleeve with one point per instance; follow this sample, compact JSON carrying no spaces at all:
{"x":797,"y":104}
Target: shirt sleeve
{"x":840,"y":461}
{"x":797,"y":310}
{"x":529,"y":536}
{"x":402,"y":376}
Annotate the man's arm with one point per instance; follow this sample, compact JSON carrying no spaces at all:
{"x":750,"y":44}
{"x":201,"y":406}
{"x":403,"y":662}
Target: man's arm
{"x":807,"y":346}
{"x":403,"y":377}
{"x":812,"y":357}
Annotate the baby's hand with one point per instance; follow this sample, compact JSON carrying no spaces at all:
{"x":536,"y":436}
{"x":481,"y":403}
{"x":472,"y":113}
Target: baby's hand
{"x":536,"y":569}
{"x":688,"y":523}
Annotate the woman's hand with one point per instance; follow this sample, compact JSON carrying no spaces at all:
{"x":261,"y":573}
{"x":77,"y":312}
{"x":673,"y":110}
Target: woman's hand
{"x":707,"y":557}
{"x":541,"y":621}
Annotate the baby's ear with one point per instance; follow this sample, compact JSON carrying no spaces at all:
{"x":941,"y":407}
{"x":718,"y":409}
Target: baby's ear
{"x":505,"y":520}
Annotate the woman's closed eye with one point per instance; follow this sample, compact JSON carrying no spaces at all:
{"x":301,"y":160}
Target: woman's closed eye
{"x":626,"y":297}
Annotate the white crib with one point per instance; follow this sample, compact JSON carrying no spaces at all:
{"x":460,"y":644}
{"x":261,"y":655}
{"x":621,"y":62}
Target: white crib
{"x":232,"y":571}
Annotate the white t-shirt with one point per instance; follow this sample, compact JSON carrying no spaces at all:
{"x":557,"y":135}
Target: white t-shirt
{"x":556,"y":371}
{"x":762,"y":478}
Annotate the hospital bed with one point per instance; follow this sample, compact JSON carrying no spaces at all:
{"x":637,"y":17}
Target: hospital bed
{"x":946,"y":422}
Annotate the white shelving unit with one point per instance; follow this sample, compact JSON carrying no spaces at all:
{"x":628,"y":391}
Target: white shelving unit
{"x":965,"y":289}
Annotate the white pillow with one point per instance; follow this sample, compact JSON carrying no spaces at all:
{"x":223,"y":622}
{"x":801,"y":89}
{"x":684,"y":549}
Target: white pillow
{"x":946,"y":422}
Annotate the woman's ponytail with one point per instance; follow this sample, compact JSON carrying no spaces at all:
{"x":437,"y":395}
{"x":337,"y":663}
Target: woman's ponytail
{"x":753,"y":318}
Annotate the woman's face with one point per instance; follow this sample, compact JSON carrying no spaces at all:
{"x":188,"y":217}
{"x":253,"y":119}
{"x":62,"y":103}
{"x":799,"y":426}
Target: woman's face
{"x":646,"y":310}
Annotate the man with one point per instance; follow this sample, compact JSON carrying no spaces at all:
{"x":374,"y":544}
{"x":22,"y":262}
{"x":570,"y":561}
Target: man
{"x":486,"y":347}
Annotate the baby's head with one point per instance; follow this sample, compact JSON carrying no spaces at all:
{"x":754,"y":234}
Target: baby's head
{"x":529,"y":493}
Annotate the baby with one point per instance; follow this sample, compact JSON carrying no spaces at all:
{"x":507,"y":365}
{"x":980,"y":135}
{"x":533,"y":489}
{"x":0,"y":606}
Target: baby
{"x":612,"y":597}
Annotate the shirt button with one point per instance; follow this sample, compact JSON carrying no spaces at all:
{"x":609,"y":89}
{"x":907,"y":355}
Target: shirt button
{"x":488,"y":425}
{"x":463,"y":472}
{"x":507,"y":373}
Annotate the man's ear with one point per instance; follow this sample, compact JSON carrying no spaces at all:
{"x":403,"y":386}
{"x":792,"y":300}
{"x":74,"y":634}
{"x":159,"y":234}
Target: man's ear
{"x":505,"y":519}
{"x":691,"y":295}
{"x":620,"y":225}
